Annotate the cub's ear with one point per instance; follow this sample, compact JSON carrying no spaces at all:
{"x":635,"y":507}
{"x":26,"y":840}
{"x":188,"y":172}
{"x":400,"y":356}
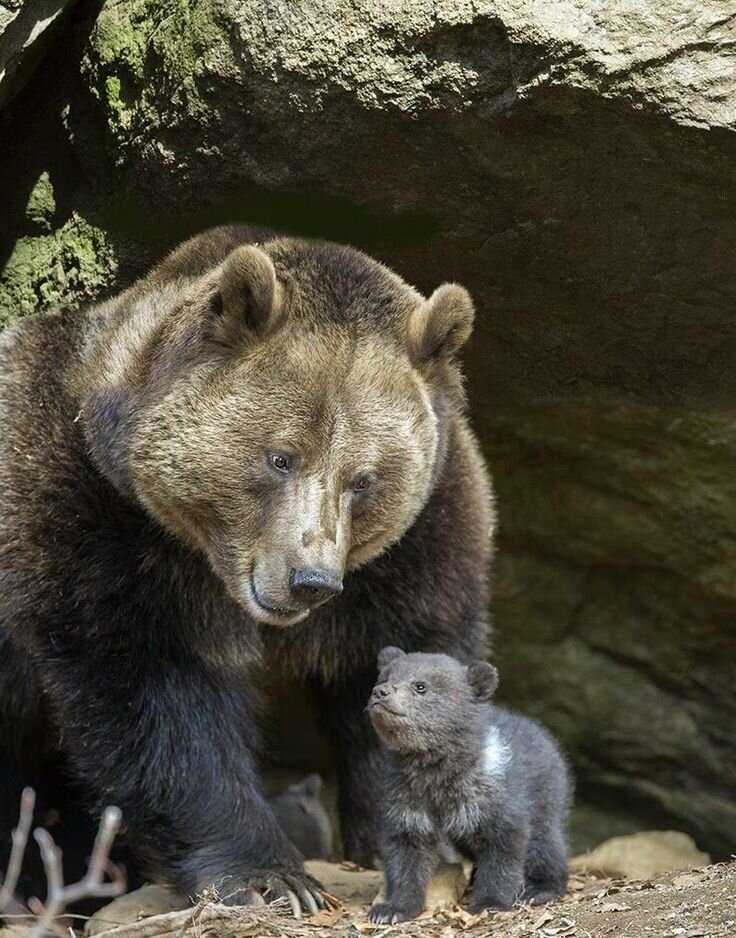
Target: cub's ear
{"x":249,"y":300}
{"x":483,"y":678}
{"x":389,"y":654}
{"x":441,"y":325}
{"x":310,"y":786}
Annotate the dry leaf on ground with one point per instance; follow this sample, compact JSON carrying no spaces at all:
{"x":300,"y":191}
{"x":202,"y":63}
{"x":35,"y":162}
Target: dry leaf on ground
{"x":614,"y":907}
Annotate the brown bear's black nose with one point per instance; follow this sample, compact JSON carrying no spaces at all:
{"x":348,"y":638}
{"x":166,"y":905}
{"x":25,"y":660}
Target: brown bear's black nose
{"x":311,"y":586}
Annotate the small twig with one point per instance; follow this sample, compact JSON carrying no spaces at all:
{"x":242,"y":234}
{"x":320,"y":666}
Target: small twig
{"x":36,"y":906}
{"x":92,"y":884}
{"x":177,"y":923}
{"x":17,"y":852}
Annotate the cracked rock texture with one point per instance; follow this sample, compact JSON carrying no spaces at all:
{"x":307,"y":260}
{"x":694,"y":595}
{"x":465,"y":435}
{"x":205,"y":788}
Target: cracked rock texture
{"x":574,"y":165}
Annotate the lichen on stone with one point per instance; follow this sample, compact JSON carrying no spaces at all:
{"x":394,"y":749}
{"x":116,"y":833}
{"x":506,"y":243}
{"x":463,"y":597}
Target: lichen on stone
{"x":63,"y":268}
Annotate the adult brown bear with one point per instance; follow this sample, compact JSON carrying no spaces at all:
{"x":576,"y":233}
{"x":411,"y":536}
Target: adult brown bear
{"x":258,"y":451}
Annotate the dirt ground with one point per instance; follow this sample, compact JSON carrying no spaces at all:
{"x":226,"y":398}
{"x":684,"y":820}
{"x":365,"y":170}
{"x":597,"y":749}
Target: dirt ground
{"x":697,"y":904}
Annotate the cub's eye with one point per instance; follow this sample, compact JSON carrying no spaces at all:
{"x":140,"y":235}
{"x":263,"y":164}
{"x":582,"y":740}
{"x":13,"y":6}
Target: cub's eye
{"x":280,"y":461}
{"x":420,"y":688}
{"x":361,"y":484}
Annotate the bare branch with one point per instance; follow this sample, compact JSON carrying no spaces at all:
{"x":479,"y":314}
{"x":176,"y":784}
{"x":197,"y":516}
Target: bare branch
{"x":36,"y":906}
{"x":92,"y":885}
{"x":177,"y":923}
{"x":8,"y":901}
{"x":59,"y":896}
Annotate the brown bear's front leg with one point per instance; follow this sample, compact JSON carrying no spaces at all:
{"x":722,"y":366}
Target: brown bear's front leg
{"x":358,"y":757}
{"x":171,"y":745}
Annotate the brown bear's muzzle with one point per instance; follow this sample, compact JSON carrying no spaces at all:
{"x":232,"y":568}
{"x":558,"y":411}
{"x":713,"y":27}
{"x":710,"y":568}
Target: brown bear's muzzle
{"x":311,"y":586}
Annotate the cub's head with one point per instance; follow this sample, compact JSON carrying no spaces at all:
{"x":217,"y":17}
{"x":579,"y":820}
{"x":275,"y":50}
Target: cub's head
{"x":421,"y":702}
{"x":283,"y":413}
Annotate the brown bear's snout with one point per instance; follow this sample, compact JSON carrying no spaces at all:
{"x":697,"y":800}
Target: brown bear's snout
{"x":311,"y":586}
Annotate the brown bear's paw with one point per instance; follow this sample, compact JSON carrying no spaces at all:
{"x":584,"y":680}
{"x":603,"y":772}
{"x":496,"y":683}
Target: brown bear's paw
{"x":302,"y":891}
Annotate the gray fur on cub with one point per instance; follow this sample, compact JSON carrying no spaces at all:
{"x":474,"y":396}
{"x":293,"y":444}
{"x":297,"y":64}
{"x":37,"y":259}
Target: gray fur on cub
{"x":492,"y":783}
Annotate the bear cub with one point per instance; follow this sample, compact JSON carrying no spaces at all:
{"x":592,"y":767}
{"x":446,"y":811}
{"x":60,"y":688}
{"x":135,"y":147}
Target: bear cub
{"x":458,"y":770}
{"x":302,"y":817}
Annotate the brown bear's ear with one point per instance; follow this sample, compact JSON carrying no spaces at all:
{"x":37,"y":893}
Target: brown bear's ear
{"x":388,"y":654}
{"x":483,"y":678}
{"x":249,"y":301}
{"x":442,"y":324}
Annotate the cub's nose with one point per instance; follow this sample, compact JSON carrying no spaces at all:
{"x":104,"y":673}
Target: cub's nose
{"x":312,"y":586}
{"x":380,"y":691}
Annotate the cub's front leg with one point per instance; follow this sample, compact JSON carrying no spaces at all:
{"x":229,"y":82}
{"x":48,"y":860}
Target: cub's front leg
{"x":498,"y":874}
{"x":409,"y":860}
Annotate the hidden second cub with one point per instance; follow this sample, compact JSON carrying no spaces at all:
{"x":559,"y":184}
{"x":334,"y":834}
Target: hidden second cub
{"x":492,"y":783}
{"x":302,"y":817}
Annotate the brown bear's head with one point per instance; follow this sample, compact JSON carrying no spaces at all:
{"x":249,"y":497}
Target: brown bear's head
{"x":284,"y":413}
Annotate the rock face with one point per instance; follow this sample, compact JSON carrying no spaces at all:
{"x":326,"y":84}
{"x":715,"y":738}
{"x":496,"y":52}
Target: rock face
{"x":575,"y":166}
{"x":24,"y":34}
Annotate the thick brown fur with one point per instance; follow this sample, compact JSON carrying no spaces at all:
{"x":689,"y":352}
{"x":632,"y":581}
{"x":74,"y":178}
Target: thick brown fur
{"x":243,"y":456}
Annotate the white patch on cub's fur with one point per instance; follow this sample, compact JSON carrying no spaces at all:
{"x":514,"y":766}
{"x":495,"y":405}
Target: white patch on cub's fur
{"x":494,"y":759}
{"x":496,"y":754}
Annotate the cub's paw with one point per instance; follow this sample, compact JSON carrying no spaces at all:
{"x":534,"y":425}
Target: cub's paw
{"x":540,"y":896}
{"x":476,"y":903}
{"x":260,"y":886}
{"x":388,"y":913}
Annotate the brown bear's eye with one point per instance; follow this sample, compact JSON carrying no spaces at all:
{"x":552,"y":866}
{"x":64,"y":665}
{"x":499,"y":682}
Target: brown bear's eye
{"x":419,"y":687}
{"x":361,"y":484}
{"x":280,"y":462}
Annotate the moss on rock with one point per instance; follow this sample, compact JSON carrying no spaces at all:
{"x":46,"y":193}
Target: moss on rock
{"x":65,"y":267}
{"x":41,"y":203}
{"x":144,"y":53}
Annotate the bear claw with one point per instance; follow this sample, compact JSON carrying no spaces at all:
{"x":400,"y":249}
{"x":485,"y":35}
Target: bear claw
{"x":301,"y":891}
